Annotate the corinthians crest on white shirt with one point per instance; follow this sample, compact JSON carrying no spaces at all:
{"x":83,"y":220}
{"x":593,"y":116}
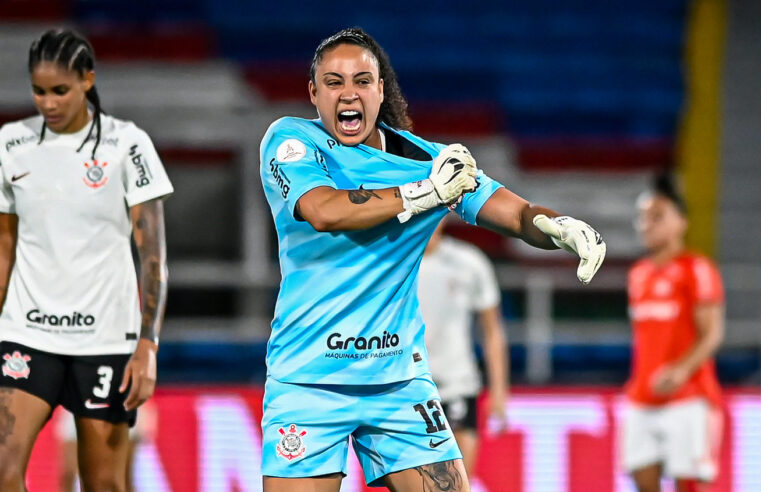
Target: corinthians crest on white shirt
{"x":95,"y":174}
{"x":291,"y":445}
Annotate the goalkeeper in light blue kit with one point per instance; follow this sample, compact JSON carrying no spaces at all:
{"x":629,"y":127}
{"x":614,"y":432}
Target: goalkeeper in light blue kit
{"x":355,"y":197}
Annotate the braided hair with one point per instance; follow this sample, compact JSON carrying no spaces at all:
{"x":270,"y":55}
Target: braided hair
{"x":393,"y":109}
{"x":71,"y":51}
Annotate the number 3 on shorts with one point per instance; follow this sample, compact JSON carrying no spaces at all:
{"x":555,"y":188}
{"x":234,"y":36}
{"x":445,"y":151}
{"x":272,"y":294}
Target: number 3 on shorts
{"x":101,"y":390}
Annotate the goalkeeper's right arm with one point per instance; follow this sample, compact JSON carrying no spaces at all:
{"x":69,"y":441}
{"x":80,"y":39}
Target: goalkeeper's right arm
{"x":453,"y":173}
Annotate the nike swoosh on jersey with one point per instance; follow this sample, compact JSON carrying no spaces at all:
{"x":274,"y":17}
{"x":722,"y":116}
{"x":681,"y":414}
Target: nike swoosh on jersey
{"x":437,"y":444}
{"x":94,"y":406}
{"x":15,"y":178}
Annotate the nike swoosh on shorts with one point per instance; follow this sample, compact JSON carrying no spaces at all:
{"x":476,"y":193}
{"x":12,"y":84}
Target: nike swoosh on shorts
{"x":94,"y":406}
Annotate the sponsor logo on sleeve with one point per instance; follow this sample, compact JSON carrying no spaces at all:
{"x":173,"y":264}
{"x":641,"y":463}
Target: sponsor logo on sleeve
{"x":291,"y":445}
{"x":291,"y":150}
{"x":95,"y":176}
{"x":281,"y":180}
{"x":16,"y":365}
{"x":144,"y":175}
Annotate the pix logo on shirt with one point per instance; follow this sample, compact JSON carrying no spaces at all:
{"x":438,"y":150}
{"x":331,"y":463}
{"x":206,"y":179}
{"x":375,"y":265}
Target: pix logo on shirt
{"x":95,"y":176}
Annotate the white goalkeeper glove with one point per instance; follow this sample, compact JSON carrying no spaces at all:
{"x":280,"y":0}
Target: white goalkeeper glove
{"x":576,"y":237}
{"x":453,"y":173}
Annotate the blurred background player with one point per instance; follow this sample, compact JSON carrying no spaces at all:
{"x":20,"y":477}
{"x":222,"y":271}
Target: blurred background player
{"x":75,"y":186}
{"x":143,"y":431}
{"x":676,"y":302}
{"x":456,"y":282}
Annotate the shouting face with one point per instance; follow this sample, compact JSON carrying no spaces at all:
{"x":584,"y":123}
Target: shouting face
{"x":348,"y":92}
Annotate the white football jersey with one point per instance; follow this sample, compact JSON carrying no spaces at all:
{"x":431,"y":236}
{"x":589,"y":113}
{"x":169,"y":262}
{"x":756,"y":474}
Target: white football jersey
{"x":73,"y":288}
{"x":456,"y":281}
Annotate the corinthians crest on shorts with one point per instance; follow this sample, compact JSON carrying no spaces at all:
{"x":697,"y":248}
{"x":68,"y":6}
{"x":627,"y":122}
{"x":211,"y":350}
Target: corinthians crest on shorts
{"x":16,"y":365}
{"x":95,"y":176}
{"x":291,"y":446}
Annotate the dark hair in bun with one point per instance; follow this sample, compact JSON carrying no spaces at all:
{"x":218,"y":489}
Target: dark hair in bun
{"x":393,"y":109}
{"x":664,"y":185}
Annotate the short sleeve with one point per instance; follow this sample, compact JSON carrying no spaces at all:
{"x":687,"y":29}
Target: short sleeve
{"x":145,"y":176}
{"x":706,"y":286}
{"x":486,"y":292}
{"x":7,"y":200}
{"x":472,"y":202}
{"x":291,"y":165}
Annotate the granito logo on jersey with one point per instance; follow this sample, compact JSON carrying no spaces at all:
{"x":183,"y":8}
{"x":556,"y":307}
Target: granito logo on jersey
{"x":14,"y":142}
{"x":291,"y":445}
{"x":336,"y":343}
{"x":144,"y":175}
{"x":281,"y":180}
{"x":16,"y":365}
{"x":291,"y":150}
{"x":73,"y":319}
{"x":95,"y":176}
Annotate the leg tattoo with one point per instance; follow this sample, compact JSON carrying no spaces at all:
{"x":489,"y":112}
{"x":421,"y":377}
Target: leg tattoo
{"x":440,"y":477}
{"x":7,"y":419}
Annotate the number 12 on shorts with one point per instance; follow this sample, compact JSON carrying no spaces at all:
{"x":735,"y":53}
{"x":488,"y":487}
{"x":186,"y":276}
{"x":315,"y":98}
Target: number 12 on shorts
{"x":103,"y":388}
{"x":435,"y":421}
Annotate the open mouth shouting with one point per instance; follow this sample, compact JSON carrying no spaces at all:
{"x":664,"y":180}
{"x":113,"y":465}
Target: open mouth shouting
{"x":349,"y":122}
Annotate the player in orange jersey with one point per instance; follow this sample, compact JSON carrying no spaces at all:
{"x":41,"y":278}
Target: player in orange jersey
{"x":672,"y":424}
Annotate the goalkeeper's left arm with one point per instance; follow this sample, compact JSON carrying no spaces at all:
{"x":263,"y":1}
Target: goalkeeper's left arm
{"x":507,"y":213}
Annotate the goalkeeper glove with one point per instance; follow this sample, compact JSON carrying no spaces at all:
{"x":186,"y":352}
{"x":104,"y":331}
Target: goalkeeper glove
{"x":577,"y":237}
{"x":453,"y":173}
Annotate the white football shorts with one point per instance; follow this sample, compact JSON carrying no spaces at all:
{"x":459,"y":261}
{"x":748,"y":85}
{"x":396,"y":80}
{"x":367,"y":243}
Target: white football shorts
{"x":684,"y":436}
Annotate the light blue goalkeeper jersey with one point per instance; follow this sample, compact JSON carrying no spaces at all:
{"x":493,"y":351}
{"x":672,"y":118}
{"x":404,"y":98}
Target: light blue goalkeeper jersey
{"x":347,"y":311}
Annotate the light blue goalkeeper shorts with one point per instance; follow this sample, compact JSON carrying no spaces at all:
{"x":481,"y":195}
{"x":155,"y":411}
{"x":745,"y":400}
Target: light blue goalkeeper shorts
{"x":393,"y":427}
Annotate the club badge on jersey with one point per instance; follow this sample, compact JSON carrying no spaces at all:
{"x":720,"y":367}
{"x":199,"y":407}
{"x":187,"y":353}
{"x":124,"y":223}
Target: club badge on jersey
{"x":16,"y":365}
{"x":291,"y":446}
{"x":95,"y":176}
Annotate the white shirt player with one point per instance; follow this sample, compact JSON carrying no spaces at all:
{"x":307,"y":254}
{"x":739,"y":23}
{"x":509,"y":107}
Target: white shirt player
{"x":456,"y":280}
{"x":73,"y":288}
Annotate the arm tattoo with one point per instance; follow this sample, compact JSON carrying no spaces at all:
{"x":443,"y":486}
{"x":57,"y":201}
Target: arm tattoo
{"x":360,"y":196}
{"x":7,"y":419}
{"x":396,"y":193}
{"x":148,"y":228}
{"x":440,"y":477}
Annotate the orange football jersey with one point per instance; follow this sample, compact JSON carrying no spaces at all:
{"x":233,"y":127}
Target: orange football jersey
{"x":662,"y":300}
